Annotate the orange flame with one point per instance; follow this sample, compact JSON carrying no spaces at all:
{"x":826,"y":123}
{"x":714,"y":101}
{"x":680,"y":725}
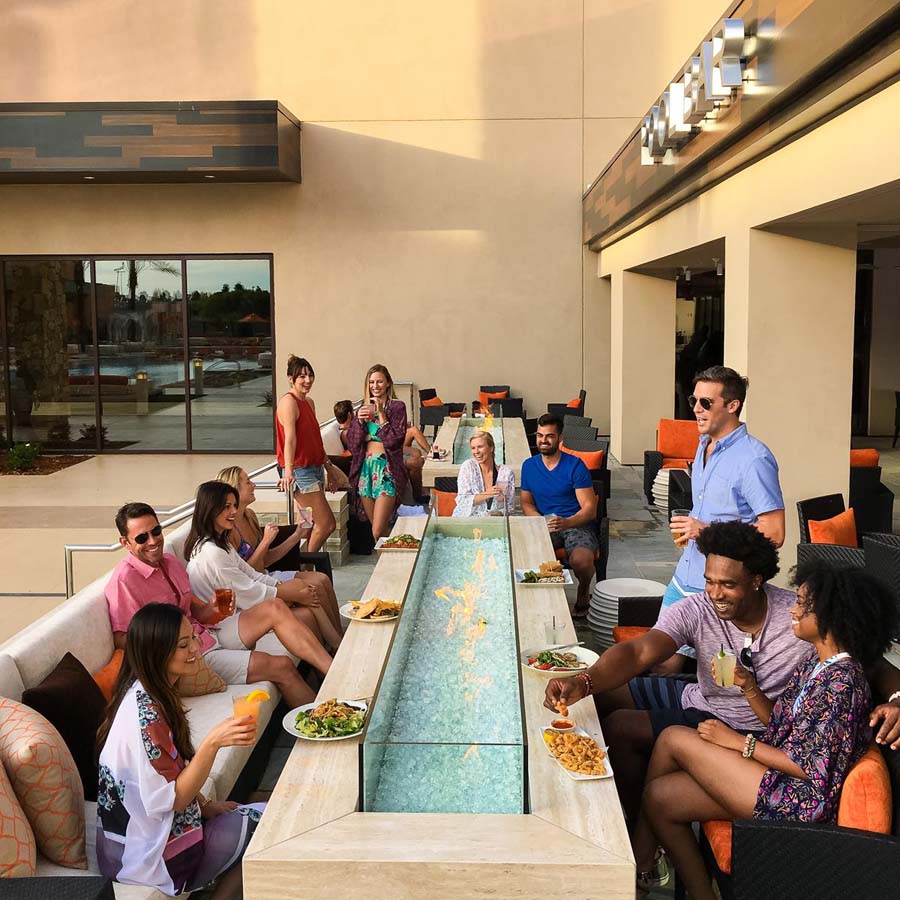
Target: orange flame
{"x":476,"y":533}
{"x":492,"y":563}
{"x":471,"y":752}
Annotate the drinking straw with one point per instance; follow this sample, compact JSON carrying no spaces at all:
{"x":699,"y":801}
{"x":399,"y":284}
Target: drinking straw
{"x":722,"y":648}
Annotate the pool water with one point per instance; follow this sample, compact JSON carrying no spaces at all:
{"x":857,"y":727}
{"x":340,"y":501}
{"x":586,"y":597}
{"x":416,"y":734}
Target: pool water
{"x":467,"y":427}
{"x":445,"y":733}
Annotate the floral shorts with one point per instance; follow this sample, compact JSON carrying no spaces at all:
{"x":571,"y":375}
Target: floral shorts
{"x":374,"y":478}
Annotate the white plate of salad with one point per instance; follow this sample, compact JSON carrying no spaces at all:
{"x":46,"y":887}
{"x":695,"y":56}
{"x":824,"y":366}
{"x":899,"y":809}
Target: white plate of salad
{"x":330,"y":720}
{"x":559,"y":663}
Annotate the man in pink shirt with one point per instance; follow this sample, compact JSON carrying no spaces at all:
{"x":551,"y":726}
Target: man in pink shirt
{"x":148,"y":575}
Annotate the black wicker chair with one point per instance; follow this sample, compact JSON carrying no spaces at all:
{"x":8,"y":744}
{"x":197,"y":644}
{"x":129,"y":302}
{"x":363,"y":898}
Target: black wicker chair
{"x":817,"y":508}
{"x":295,"y":559}
{"x":833,"y":554}
{"x":896,"y":419}
{"x":433,"y":416}
{"x":563,"y":409}
{"x":601,"y":475}
{"x":569,"y":421}
{"x":872,"y":502}
{"x":579,"y":433}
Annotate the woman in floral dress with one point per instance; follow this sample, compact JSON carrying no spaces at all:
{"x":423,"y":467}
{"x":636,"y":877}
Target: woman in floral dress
{"x":815,"y":732}
{"x":154,"y":827}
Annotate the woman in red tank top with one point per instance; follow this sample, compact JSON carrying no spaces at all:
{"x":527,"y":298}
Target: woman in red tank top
{"x":302,"y":462}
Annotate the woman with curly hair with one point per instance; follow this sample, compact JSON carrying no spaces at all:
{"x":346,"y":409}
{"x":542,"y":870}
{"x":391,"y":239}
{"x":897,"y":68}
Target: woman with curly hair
{"x":815,"y":731}
{"x":154,"y":826}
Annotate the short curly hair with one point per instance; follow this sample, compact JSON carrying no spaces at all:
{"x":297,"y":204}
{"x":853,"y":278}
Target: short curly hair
{"x":857,"y":610}
{"x":742,"y":542}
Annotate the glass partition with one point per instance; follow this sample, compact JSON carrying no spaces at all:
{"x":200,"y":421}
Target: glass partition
{"x":51,"y":352}
{"x":141,"y":331}
{"x":445,"y":733}
{"x":230,"y":340}
{"x":467,"y":427}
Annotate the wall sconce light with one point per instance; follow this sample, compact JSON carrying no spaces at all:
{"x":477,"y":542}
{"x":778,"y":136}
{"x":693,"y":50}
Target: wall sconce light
{"x":687,"y":274}
{"x":720,"y":266}
{"x":140,"y":376}
{"x":198,"y":363}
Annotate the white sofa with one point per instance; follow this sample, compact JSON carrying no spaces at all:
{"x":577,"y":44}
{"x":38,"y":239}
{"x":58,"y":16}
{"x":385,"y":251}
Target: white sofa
{"x":80,"y":625}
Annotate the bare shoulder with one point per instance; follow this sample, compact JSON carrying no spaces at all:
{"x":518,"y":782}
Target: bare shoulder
{"x":287,"y":407}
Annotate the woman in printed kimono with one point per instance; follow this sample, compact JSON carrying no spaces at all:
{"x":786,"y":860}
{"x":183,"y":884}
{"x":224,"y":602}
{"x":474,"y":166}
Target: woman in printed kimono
{"x":816,"y":730}
{"x":154,"y":826}
{"x":482,"y":485}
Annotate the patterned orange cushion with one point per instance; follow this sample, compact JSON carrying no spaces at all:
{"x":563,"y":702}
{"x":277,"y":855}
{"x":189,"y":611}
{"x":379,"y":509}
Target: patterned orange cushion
{"x":593,"y":459}
{"x":623,"y":633}
{"x":719,"y":836}
{"x":678,"y":438}
{"x":46,"y":782}
{"x":867,"y":457}
{"x":106,"y":677}
{"x":18,"y":853}
{"x":841,"y":529}
{"x":434,"y":401}
{"x":866,"y":795}
{"x":203,"y":681}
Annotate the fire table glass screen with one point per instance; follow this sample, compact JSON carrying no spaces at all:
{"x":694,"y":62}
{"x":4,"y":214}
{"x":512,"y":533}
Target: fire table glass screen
{"x":467,"y":427}
{"x":445,"y":733}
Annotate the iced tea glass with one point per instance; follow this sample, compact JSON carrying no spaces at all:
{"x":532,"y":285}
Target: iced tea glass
{"x":224,"y":601}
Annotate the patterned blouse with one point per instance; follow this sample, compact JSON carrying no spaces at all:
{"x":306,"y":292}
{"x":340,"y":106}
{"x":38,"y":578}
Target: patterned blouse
{"x":471,"y":482}
{"x":827,"y":735}
{"x":392,"y":434}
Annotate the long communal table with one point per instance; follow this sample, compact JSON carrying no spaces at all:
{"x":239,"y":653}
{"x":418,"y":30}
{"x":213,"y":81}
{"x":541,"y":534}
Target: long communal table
{"x":515,"y":446}
{"x":313,"y":842}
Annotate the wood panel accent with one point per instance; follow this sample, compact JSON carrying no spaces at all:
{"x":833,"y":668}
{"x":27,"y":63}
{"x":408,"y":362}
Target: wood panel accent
{"x":313,"y":835}
{"x":148,"y":142}
{"x":817,"y":48}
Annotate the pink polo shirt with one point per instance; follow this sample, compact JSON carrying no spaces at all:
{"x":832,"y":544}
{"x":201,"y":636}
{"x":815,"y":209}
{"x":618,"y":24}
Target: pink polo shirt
{"x":133,"y":584}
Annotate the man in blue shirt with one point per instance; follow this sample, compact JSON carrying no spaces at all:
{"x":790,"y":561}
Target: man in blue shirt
{"x":734,"y":477}
{"x":558,"y":485}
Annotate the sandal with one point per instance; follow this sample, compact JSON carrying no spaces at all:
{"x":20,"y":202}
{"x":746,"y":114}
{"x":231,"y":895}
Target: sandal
{"x":580,"y":612}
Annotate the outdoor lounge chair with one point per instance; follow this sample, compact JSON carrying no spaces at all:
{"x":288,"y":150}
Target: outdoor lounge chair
{"x":574,"y":407}
{"x":676,"y":446}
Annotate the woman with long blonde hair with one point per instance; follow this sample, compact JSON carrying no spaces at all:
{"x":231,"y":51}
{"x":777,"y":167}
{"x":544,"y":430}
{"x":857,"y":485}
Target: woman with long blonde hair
{"x":375,"y":440}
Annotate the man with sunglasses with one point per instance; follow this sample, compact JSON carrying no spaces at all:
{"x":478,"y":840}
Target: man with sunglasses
{"x":149,"y":575}
{"x":734,"y":478}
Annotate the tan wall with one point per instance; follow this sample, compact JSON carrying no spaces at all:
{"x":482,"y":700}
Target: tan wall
{"x":445,"y":149}
{"x":884,"y":362}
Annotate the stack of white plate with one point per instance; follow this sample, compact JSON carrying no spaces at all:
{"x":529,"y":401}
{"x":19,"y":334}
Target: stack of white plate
{"x":660,"y":490}
{"x":603,"y":615}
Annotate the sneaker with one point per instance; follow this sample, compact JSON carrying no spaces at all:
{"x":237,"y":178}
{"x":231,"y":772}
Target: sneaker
{"x":657,"y":875}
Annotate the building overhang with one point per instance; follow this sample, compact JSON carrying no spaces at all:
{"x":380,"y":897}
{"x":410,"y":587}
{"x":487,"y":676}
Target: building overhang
{"x":801,"y":63}
{"x":148,"y":143}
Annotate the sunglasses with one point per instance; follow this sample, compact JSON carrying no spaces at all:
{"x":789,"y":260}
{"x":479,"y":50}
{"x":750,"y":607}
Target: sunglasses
{"x":705,"y":402}
{"x":144,"y":536}
{"x":746,"y":658}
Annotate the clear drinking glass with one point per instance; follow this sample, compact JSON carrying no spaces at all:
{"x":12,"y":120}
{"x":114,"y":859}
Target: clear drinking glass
{"x":679,"y":540}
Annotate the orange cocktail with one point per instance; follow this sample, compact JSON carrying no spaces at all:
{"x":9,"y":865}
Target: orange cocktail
{"x":248,"y":704}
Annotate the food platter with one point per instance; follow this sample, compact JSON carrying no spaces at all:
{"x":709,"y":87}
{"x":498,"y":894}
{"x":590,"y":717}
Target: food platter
{"x":549,"y":733}
{"x":381,"y":545}
{"x":520,"y":579}
{"x":588,"y":657}
{"x":290,"y":719}
{"x":348,"y":611}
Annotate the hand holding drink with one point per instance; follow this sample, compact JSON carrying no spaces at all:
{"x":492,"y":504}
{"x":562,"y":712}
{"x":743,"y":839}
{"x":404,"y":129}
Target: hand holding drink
{"x":224,"y":601}
{"x":678,"y":528}
{"x":248,"y":705}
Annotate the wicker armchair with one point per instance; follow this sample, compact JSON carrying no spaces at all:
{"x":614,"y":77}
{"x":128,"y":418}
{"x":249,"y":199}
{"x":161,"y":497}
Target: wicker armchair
{"x":676,"y":446}
{"x":563,"y":409}
{"x":600,"y":475}
{"x":817,"y":508}
{"x":569,"y":421}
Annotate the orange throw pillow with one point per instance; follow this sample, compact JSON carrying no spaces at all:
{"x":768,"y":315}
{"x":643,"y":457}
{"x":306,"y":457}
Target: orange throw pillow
{"x":838,"y":530}
{"x":677,"y":438}
{"x":203,"y":681}
{"x":593,"y":459}
{"x":574,"y":404}
{"x":434,"y":401}
{"x":18,"y":852}
{"x":46,"y":782}
{"x":485,"y":399}
{"x":866,"y":795}
{"x":867,"y":457}
{"x":106,"y":677}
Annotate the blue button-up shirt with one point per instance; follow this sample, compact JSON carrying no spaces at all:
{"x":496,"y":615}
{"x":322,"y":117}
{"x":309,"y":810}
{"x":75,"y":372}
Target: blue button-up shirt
{"x":739,"y":481}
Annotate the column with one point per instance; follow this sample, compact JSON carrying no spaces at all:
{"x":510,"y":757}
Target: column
{"x":642,"y":362}
{"x":595,"y":322}
{"x":789,"y":312}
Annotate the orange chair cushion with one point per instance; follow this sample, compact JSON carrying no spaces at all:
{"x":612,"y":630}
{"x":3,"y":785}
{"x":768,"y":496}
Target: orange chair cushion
{"x":434,"y":401}
{"x":574,"y":404}
{"x":485,"y":398}
{"x":841,"y":529}
{"x":106,"y":677}
{"x":18,"y":851}
{"x":866,"y":795}
{"x":718,"y":834}
{"x":672,"y":463}
{"x":593,"y":459}
{"x":446,"y":501}
{"x":866,"y":457}
{"x":46,"y":781}
{"x":678,"y":438}
{"x":457,"y":414}
{"x":623,"y":633}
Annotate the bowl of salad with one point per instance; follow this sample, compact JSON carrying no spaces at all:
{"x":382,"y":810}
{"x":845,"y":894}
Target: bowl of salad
{"x":559,"y":663}
{"x":331,"y":720}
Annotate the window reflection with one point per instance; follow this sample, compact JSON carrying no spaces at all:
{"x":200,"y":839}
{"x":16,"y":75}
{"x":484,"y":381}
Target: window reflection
{"x":51,"y":352}
{"x":141,"y":335}
{"x":230,"y":340}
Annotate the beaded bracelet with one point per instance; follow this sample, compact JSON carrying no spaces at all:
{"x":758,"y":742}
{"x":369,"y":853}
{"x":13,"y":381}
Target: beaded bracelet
{"x":589,"y":685}
{"x":749,"y":746}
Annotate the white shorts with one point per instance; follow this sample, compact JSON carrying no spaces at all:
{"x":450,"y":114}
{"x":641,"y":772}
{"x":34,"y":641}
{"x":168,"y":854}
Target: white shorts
{"x":230,"y":659}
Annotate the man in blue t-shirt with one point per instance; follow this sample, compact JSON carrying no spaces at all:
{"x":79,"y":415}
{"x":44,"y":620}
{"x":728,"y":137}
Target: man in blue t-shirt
{"x":558,"y":485}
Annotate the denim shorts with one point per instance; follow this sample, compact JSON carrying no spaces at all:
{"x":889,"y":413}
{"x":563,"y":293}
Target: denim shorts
{"x":307,"y":479}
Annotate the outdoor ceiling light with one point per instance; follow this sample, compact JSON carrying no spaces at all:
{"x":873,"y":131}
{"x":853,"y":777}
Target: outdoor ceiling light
{"x":89,"y":177}
{"x":209,"y":176}
{"x":720,"y":266}
{"x":687,"y":274}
